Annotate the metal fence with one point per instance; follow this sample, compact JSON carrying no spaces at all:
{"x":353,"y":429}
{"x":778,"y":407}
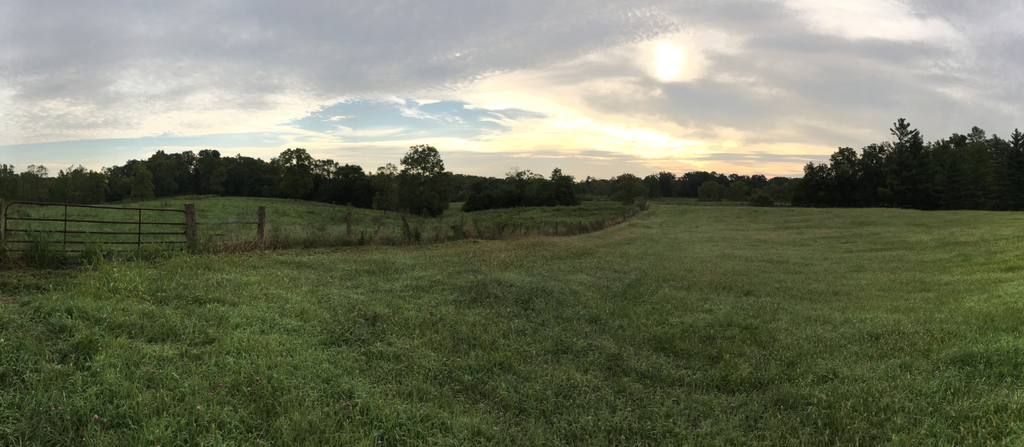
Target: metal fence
{"x":58,"y":227}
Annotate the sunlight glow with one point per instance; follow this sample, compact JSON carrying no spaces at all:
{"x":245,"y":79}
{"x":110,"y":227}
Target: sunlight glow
{"x":669,"y":62}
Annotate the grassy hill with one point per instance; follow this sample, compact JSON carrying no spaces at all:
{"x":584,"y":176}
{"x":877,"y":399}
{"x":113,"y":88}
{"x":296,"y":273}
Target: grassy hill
{"x":686,"y":325}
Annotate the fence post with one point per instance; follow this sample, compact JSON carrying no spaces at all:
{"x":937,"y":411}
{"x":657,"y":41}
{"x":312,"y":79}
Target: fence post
{"x":494,"y":229}
{"x":556,"y":228}
{"x":407,"y":232}
{"x":348,"y":224}
{"x":190,"y":225}
{"x":261,"y":225}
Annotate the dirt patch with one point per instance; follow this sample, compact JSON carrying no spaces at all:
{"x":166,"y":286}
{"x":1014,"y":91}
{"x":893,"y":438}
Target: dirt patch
{"x":8,"y":299}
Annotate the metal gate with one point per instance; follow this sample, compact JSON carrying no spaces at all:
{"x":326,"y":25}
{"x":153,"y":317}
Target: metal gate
{"x":57,"y":226}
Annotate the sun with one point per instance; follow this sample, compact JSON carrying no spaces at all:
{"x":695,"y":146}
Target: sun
{"x":669,"y":61}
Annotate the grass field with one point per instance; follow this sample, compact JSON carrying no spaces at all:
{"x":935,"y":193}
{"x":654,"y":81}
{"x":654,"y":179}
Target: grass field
{"x":298,"y":224}
{"x":686,"y":325}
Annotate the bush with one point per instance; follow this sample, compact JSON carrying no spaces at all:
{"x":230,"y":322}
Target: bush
{"x":761,"y":199}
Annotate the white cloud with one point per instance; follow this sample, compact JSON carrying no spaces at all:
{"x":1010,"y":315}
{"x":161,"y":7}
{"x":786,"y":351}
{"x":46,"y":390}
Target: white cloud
{"x":779,"y":76}
{"x":872,"y":19}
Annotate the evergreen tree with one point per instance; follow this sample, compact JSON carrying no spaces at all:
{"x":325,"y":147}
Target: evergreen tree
{"x":910,"y":173}
{"x":1015,"y":167}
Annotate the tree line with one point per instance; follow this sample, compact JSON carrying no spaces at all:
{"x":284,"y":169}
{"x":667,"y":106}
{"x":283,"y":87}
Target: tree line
{"x":421,"y":186}
{"x":962,"y":172}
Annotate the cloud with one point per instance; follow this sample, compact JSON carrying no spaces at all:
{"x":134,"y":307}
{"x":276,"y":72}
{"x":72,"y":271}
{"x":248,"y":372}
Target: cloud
{"x":777,"y":79}
{"x":872,"y":19}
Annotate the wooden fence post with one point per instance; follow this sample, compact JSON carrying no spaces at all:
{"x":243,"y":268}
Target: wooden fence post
{"x":494,"y":229}
{"x":190,"y":226}
{"x":407,"y":232}
{"x":261,"y":225}
{"x":348,"y":224}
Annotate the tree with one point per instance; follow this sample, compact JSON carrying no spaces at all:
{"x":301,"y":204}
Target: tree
{"x":563,"y":188}
{"x":761,"y":198}
{"x":813,"y":189}
{"x":79,"y":185}
{"x":628,"y":187}
{"x":424,"y":187}
{"x":9,"y":182}
{"x":871,"y":166}
{"x":910,"y":172}
{"x":1015,"y":166}
{"x":34,"y":184}
{"x":385,"y":183}
{"x":205,"y":169}
{"x":653,"y":186}
{"x":142,"y":184}
{"x":519,"y":183}
{"x":348,"y":184}
{"x":737,"y":191}
{"x":665,"y":180}
{"x":845,"y":177}
{"x":710,"y":191}
{"x":162,"y":167}
{"x":297,"y":173}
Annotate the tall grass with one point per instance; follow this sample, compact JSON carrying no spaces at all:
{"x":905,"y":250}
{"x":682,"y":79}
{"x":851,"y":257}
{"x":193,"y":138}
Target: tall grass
{"x":297,"y":224}
{"x":683,"y":326}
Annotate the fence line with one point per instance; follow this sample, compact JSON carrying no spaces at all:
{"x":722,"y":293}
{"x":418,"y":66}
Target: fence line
{"x":471,"y":228}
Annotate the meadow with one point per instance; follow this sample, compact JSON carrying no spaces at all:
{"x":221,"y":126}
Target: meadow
{"x":298,"y":224}
{"x":685,"y":325}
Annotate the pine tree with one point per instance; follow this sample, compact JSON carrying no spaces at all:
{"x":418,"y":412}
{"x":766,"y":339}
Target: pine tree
{"x":1015,"y":168}
{"x":910,"y":172}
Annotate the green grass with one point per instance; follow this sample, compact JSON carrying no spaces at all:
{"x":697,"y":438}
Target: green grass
{"x":300,"y":224}
{"x":683,"y":326}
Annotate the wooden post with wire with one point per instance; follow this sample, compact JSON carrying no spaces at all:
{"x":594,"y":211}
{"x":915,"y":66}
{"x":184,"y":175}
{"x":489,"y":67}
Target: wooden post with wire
{"x":190,"y":226}
{"x":261,"y":225}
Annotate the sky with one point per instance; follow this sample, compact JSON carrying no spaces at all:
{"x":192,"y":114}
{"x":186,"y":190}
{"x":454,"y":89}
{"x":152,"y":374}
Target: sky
{"x":597,"y":88}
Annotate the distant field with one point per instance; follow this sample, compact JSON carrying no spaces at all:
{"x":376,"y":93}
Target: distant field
{"x":306,"y":224}
{"x":686,"y":325}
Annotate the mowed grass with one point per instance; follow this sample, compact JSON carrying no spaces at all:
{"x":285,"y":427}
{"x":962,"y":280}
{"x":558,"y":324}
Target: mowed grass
{"x":683,"y":326}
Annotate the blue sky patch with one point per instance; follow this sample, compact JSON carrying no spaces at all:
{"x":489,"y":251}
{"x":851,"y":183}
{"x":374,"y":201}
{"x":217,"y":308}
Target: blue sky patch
{"x":370,"y":121}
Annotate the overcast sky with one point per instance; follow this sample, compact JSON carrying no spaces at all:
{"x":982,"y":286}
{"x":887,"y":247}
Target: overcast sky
{"x":595,"y":87}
